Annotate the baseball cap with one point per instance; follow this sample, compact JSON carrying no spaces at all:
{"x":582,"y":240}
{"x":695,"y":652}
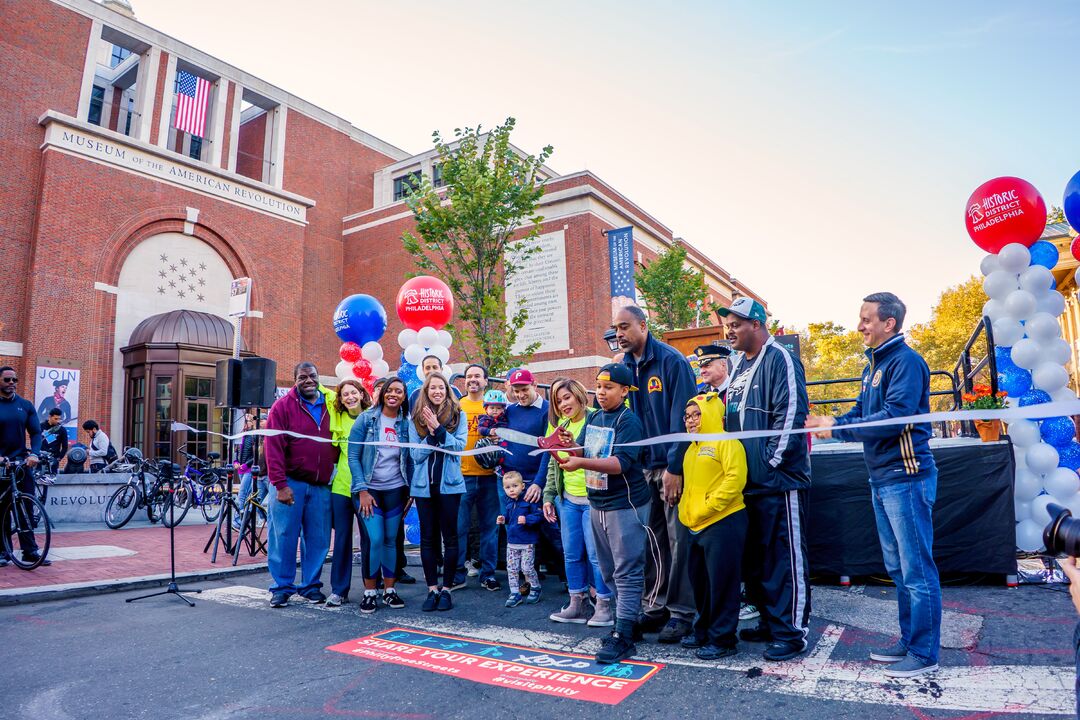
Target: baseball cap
{"x":520,"y":377}
{"x":617,"y":373}
{"x":707,"y":353}
{"x":746,"y":308}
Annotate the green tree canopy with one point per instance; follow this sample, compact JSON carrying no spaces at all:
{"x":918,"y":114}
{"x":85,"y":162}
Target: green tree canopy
{"x":941,"y":339}
{"x":832,"y":352}
{"x":475,"y":242}
{"x":673,"y":294}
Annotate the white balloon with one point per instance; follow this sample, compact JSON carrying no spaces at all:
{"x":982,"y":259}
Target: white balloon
{"x":428,"y":336}
{"x":1064,"y":394}
{"x":999,"y":284}
{"x":1049,"y":376}
{"x":440,"y":352}
{"x":380,"y":368}
{"x":406,"y":338}
{"x":1073,"y":504}
{"x":1020,"y":304}
{"x":1027,"y":484}
{"x":414,"y":354}
{"x":1024,"y":433}
{"x":1041,"y":326}
{"x":1039,"y":514}
{"x":343,"y":370}
{"x":1036,"y":279}
{"x":1029,"y":535}
{"x":994,"y":309}
{"x":1062,"y":483}
{"x":420,"y":374}
{"x":1051,"y":302}
{"x":1057,"y":351}
{"x":1076,"y":276}
{"x":1042,"y":458}
{"x":1022,"y":508}
{"x":445,"y":339}
{"x":1014,"y":257}
{"x":1025,"y":353}
{"x":372,"y":351}
{"x":1007,"y":331}
{"x":989,"y":264}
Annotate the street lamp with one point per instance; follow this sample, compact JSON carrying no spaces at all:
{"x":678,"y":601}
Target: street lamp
{"x":609,"y":338}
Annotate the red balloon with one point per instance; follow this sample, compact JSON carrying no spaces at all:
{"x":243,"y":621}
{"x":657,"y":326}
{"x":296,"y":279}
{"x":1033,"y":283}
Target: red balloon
{"x":424,"y":301}
{"x":350,"y":352}
{"x":1075,"y":248}
{"x":369,"y":384}
{"x":1005,"y":210}
{"x":361,"y":369}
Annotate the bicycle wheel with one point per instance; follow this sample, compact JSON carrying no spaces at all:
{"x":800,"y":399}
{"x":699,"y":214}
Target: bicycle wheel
{"x":122,"y":506}
{"x":19,"y":518}
{"x":211,"y":502}
{"x":158,"y":503}
{"x":181,"y":500}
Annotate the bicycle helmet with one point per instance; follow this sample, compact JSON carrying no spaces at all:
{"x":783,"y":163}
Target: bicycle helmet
{"x":494,"y":397}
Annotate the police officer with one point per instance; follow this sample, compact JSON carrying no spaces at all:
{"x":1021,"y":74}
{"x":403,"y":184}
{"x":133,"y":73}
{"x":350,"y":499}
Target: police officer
{"x":714,"y":361}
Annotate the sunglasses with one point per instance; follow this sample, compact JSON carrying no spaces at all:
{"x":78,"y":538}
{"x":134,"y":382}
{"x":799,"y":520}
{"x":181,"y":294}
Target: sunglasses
{"x":11,"y":380}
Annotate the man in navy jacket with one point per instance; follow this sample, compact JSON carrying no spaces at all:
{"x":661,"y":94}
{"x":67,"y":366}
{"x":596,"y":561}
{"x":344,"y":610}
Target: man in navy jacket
{"x":663,"y":382}
{"x":903,"y":479}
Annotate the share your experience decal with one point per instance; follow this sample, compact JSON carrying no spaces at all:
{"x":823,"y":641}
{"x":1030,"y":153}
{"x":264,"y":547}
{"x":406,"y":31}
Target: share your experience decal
{"x":538,"y":671}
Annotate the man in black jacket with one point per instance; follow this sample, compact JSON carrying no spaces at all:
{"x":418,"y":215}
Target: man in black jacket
{"x":55,"y":439}
{"x":19,"y":420}
{"x":768,"y":392}
{"x":663,"y":383}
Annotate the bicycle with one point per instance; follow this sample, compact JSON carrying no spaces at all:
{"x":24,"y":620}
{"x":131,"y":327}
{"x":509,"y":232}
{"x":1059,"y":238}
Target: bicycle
{"x":134,"y":494}
{"x":252,"y":533}
{"x":19,"y":510}
{"x":204,"y":486}
{"x":44,"y":477}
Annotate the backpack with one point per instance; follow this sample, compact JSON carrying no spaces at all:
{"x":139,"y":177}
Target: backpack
{"x":110,"y":454}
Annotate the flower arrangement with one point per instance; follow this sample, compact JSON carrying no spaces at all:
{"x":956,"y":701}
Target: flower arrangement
{"x":982,"y":399}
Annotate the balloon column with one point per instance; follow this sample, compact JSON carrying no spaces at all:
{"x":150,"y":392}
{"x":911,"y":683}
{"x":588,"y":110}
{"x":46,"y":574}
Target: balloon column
{"x":1006,"y":216}
{"x":424,"y":306}
{"x":360,"y":321}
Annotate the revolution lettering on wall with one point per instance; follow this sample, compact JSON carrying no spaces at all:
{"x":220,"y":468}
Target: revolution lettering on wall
{"x":540,"y":286}
{"x":545,"y":672}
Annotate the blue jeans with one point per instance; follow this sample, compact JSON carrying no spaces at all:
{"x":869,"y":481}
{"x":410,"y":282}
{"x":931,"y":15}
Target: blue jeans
{"x":481,"y":491}
{"x":307,"y":522}
{"x":906,"y":533}
{"x":579,"y":549}
{"x":245,"y":491}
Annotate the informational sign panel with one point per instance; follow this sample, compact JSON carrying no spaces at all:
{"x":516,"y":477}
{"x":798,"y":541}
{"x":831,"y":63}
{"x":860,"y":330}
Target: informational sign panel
{"x":621,"y":267}
{"x":545,"y":672}
{"x":56,"y":387}
{"x":240,"y":297}
{"x":540,"y":285}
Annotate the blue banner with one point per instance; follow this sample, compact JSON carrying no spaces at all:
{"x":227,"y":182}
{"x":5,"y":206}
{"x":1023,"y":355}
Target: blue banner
{"x":621,"y":265}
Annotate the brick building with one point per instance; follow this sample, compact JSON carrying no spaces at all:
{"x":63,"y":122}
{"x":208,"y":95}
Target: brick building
{"x":113,"y":221}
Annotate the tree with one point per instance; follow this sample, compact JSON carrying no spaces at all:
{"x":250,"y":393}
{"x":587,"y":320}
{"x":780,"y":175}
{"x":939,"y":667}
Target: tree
{"x":832,"y":352}
{"x":941,"y":339}
{"x":475,"y":242}
{"x":1056,"y":215}
{"x":673,"y":294}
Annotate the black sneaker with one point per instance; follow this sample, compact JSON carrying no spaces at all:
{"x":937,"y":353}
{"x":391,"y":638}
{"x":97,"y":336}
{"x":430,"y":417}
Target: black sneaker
{"x":33,"y":557}
{"x":759,"y":633}
{"x":280,"y":599}
{"x":369,"y":603}
{"x":692,"y":642}
{"x":715,"y":652}
{"x":615,"y":648}
{"x":445,"y":601}
{"x":653,"y":623}
{"x":674,"y":631}
{"x":392,"y":600}
{"x":490,"y":583}
{"x":431,"y":602}
{"x":406,"y":578}
{"x":781,"y":651}
{"x":315,"y":596}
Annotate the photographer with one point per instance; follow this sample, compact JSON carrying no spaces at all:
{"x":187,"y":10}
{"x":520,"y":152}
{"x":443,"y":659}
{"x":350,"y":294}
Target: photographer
{"x":1068,"y":566}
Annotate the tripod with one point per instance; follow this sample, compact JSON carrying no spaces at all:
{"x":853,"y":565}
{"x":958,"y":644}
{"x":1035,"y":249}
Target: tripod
{"x":172,"y":589}
{"x":228,"y":502}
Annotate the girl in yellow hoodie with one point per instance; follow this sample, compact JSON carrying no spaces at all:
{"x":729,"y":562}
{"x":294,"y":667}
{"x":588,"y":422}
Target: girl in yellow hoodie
{"x":714,"y":474}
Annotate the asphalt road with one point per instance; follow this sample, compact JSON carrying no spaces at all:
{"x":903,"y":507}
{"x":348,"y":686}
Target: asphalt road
{"x":233,"y":657}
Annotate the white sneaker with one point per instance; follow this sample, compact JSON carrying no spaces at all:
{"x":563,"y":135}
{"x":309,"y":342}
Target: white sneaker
{"x":471,"y":569}
{"x":748,"y":612}
{"x":335,"y":600}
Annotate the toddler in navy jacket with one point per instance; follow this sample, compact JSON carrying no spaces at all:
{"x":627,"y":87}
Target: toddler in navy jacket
{"x":522,"y":520}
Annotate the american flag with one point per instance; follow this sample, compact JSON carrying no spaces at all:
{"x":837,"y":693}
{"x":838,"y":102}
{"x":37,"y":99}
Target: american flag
{"x":192,"y":94}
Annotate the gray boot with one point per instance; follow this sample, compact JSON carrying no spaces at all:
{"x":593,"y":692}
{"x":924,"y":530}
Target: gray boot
{"x":602,"y":616}
{"x":576,"y":612}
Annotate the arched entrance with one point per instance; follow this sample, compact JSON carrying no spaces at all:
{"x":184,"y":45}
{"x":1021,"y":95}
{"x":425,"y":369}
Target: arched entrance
{"x":169,"y":375}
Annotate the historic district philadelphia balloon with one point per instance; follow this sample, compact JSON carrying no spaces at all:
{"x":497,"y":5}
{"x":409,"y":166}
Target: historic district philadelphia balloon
{"x":1005,"y":210}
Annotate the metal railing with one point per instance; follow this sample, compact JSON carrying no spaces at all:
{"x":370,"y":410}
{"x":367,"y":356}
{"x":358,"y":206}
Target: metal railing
{"x":953,"y":393}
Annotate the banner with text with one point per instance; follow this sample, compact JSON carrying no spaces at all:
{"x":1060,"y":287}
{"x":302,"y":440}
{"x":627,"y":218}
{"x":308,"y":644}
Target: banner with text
{"x":621,"y":266}
{"x":538,"y":671}
{"x":56,"y":387}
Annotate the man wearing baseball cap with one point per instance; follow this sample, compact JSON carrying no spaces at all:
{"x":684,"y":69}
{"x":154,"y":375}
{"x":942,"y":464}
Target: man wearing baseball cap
{"x":768,"y":392}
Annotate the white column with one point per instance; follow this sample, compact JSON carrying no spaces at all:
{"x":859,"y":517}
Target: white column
{"x":234,"y":127}
{"x":147,"y":89}
{"x":166,"y":102}
{"x":277,"y":156}
{"x":89,"y":67}
{"x":217,"y":133}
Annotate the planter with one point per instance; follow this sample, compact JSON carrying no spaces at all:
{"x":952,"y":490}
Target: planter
{"x":989,"y":430}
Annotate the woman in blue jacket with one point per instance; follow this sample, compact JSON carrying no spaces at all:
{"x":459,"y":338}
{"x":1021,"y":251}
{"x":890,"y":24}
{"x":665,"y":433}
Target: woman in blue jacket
{"x":437,"y":483}
{"x":380,"y":490}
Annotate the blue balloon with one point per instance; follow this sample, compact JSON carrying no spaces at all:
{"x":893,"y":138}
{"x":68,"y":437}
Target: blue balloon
{"x":1069,"y":456}
{"x":1044,"y":253}
{"x":412,"y":526}
{"x":1034,"y":397}
{"x":1058,"y":431}
{"x":1072,"y":201}
{"x":359,"y":319}
{"x":1015,"y":381}
{"x":1003,"y":358}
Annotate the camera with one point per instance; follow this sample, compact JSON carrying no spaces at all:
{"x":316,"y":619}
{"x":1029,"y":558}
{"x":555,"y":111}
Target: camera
{"x":1062,"y":535}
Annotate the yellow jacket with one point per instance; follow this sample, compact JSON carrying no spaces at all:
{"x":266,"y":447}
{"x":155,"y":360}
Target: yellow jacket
{"x":714,"y":473}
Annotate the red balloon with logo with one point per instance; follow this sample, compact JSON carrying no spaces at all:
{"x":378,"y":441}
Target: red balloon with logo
{"x":1005,"y":210}
{"x":362,"y":369}
{"x":350,"y":352}
{"x":425,"y":301}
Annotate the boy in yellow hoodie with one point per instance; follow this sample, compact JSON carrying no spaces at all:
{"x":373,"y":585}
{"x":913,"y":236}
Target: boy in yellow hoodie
{"x":714,"y":474}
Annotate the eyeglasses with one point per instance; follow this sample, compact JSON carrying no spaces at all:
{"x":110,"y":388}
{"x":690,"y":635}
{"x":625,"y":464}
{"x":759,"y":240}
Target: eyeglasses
{"x":687,"y":417}
{"x":11,"y":380}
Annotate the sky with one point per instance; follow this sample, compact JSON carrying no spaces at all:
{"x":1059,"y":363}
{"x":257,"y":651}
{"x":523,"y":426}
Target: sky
{"x":817,"y":151}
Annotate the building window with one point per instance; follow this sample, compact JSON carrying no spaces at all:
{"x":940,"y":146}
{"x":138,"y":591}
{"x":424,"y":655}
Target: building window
{"x":436,"y":176}
{"x":136,"y":413}
{"x":97,"y":103}
{"x":163,"y":417}
{"x":200,"y":414}
{"x":405,"y":184}
{"x":118,"y":56}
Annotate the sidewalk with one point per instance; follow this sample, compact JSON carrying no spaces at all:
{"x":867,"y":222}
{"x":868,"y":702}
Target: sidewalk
{"x":91,"y":559}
